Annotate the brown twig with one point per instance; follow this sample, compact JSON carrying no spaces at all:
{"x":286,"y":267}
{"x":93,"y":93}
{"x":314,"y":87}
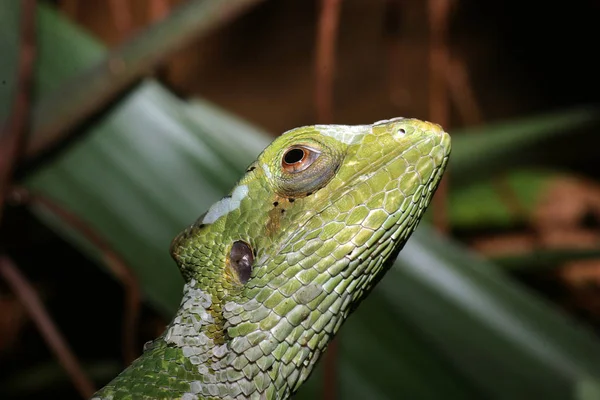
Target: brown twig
{"x":113,"y":261}
{"x":439,"y":11}
{"x":461,"y":92}
{"x":157,"y":10}
{"x":511,"y":200}
{"x":121,"y":14}
{"x":396,"y":66}
{"x":325,"y":60}
{"x":27,"y":295}
{"x":463,"y":97}
{"x":70,"y":8}
{"x":324,"y":71}
{"x":14,"y":132}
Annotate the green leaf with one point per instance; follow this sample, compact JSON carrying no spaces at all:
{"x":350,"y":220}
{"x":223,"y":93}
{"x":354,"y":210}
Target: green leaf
{"x":481,"y":204}
{"x":588,"y":389}
{"x":500,"y":335}
{"x":9,"y":26}
{"x":544,"y":258}
{"x":481,"y":152}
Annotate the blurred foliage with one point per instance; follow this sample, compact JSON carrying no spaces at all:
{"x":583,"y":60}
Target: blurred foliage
{"x":443,"y":323}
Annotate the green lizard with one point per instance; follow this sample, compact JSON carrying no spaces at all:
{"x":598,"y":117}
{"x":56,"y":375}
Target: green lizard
{"x":273,"y":270}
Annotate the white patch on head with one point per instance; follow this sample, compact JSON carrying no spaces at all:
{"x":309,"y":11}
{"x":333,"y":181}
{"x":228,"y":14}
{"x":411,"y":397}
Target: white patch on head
{"x":267,"y":172}
{"x":226,"y":205}
{"x":348,"y":134}
{"x":387,"y":121}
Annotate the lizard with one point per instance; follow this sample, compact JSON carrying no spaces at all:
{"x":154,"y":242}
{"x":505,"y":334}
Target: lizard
{"x":273,"y":269}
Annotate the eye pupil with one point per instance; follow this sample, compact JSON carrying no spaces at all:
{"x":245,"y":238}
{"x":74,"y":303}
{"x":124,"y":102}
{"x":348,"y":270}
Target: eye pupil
{"x":298,"y":158}
{"x":294,"y":156}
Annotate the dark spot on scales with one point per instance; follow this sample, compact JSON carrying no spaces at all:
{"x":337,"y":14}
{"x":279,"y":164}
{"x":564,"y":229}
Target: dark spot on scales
{"x":274,"y":216}
{"x":250,"y":169}
{"x":282,"y":210}
{"x":147,"y":345}
{"x":291,"y":199}
{"x":241,"y":259}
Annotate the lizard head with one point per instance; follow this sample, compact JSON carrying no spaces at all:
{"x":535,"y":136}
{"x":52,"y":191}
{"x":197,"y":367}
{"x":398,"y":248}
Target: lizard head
{"x":306,"y":233}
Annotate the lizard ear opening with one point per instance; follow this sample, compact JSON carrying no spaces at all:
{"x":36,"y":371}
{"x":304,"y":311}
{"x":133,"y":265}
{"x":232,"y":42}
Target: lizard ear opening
{"x":240,"y":261}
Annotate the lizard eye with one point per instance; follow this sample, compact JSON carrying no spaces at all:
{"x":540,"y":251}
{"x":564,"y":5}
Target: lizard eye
{"x":298,"y":158}
{"x":304,"y":168}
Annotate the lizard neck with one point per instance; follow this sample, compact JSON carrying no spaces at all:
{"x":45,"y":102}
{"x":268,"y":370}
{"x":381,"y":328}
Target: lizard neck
{"x":197,"y":328}
{"x":227,"y":363}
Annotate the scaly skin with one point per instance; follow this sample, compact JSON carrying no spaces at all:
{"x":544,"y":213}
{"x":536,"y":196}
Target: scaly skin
{"x":274,"y":269}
